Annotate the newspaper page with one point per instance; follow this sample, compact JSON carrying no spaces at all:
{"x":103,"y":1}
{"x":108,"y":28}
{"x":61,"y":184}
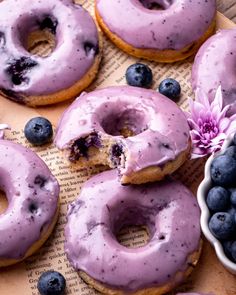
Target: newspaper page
{"x":21,"y":279}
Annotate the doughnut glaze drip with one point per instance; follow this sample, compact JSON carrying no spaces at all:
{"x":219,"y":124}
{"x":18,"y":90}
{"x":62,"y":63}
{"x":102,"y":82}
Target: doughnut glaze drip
{"x":159,"y":128}
{"x":76,"y":46}
{"x":168,"y":209}
{"x":214,"y":65}
{"x":32,"y":193}
{"x":157,"y":24}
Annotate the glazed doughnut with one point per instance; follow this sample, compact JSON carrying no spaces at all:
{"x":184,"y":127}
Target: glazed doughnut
{"x":171,"y":214}
{"x":33,"y":195}
{"x":173,"y":32}
{"x":34,"y":80}
{"x":139,"y":131}
{"x":214,"y":65}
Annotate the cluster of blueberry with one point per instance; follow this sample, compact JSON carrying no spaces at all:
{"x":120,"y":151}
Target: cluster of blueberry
{"x":221,"y":200}
{"x":140,"y":75}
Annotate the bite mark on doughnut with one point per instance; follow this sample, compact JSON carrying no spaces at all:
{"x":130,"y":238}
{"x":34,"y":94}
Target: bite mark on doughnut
{"x":18,"y":68}
{"x":80,"y":147}
{"x":49,"y":22}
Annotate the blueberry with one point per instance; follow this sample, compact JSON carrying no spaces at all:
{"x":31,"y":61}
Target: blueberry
{"x":233,"y":251}
{"x":231,"y":151}
{"x":38,"y":131}
{"x":51,"y":283}
{"x":232,"y":211}
{"x":223,"y":170}
{"x":227,"y":248}
{"x":233,"y":197}
{"x":170,"y":88}
{"x":139,"y":75}
{"x":222,"y":225}
{"x":218,"y":199}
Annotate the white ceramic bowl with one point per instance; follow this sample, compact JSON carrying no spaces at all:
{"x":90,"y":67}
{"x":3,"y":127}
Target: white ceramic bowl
{"x":203,"y":189}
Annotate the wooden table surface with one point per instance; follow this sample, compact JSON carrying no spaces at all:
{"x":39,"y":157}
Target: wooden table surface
{"x":228,"y":8}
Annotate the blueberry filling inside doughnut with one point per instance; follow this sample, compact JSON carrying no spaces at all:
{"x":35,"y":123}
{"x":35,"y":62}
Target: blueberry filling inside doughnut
{"x":49,"y":22}
{"x":18,"y":69}
{"x":117,"y":154}
{"x":91,"y":48}
{"x":2,"y":39}
{"x":81,"y":146}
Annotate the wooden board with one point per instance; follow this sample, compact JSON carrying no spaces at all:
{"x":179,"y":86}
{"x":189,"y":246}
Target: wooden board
{"x":228,"y":8}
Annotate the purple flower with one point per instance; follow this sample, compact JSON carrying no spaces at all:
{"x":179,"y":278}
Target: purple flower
{"x":209,"y":125}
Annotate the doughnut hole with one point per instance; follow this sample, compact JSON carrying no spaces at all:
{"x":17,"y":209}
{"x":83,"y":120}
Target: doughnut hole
{"x":41,"y":43}
{"x":133,"y":226}
{"x":133,"y":236}
{"x":37,"y":34}
{"x":127,"y":123}
{"x":3,"y":202}
{"x":156,"y":4}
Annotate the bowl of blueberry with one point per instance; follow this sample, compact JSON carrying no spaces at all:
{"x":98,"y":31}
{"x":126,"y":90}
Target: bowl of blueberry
{"x":217,"y":199}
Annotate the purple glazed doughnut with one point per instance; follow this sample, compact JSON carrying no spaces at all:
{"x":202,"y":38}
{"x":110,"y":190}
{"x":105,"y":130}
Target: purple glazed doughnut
{"x":171,"y":214}
{"x":35,"y":80}
{"x":214,"y":65}
{"x":33,"y":202}
{"x":139,"y":131}
{"x":159,"y":30}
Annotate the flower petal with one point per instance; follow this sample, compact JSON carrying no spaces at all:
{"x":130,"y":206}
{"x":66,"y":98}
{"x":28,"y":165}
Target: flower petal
{"x":202,"y":98}
{"x":224,"y":124}
{"x":217,"y":103}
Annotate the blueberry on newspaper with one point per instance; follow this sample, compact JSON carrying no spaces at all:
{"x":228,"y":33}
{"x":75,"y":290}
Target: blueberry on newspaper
{"x":38,"y":131}
{"x":51,"y":283}
{"x":139,"y":75}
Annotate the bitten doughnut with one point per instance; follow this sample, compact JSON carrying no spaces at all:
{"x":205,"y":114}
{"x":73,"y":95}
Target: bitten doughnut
{"x":171,"y":214}
{"x":34,"y":80}
{"x":159,"y":30}
{"x":33,"y":195}
{"x":139,"y":131}
{"x":214,"y":65}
